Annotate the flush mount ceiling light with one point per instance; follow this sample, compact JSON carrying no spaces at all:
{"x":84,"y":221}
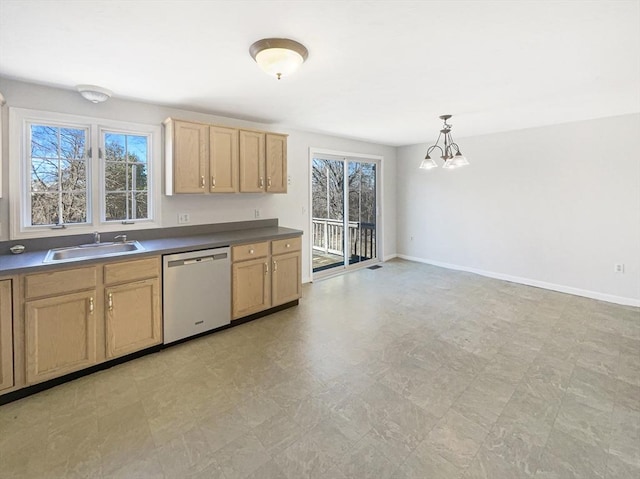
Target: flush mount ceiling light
{"x":451,"y":154}
{"x":93,"y":93}
{"x":278,"y":56}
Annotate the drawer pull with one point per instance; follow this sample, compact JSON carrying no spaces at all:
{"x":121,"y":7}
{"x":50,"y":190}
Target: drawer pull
{"x":275,"y":266}
{"x":213,"y":182}
{"x":266,"y":268}
{"x":269,"y":182}
{"x":91,"y":305}
{"x":110,"y":302}
{"x":261,"y":182}
{"x":202,"y":181}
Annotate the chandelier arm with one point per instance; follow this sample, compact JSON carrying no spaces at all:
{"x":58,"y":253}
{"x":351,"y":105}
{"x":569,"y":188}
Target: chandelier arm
{"x":431,"y":148}
{"x":435,"y":145}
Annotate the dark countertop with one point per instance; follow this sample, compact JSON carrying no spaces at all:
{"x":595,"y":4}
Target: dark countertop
{"x":31,"y":261}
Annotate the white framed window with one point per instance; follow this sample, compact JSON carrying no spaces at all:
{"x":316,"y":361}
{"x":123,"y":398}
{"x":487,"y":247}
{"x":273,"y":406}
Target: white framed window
{"x":72,"y":174}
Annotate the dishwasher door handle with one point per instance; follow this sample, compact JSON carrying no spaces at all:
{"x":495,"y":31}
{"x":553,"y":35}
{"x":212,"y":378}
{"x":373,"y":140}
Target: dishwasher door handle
{"x":205,"y":259}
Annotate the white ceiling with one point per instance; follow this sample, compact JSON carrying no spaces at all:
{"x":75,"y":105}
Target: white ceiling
{"x":381,"y":71}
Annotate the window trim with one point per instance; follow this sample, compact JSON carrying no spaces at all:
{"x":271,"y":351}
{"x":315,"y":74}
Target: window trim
{"x":19,"y":118}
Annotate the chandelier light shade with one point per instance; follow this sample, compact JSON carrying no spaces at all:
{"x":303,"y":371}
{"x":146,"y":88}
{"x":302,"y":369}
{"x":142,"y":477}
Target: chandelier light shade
{"x":94,"y":93}
{"x":449,"y":152}
{"x":278,"y":56}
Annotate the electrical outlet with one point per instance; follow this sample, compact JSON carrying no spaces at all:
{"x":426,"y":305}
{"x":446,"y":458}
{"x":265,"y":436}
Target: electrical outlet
{"x":183,"y":218}
{"x":618,"y":268}
{"x":256,"y":213}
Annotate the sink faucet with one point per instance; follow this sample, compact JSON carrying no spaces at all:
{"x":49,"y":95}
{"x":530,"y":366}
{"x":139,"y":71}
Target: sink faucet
{"x":96,"y":237}
{"x":121,"y":237}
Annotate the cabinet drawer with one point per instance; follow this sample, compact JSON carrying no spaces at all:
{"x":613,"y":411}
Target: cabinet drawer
{"x":286,"y":245}
{"x":59,"y":282}
{"x":131,"y":270}
{"x":249,"y":251}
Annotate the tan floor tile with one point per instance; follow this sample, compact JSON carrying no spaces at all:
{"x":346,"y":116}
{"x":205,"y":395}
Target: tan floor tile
{"x":456,"y":438}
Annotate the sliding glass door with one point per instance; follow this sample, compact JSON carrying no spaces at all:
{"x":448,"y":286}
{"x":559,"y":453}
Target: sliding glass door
{"x":344,"y":211}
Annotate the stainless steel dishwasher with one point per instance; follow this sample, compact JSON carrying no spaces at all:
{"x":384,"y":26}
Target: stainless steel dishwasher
{"x":196,"y":292}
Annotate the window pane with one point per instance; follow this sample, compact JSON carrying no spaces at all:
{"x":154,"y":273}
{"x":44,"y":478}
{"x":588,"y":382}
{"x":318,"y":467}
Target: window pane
{"x":114,"y":147}
{"x":115,"y":176}
{"x":141,"y":205}
{"x":59,"y":168}
{"x":72,"y":143}
{"x":44,"y":141}
{"x":137,"y":148}
{"x":73,"y":175}
{"x":44,"y":175}
{"x":126,"y":176}
{"x":116,"y":206}
{"x":138,"y":177}
{"x":74,"y":207}
{"x":44,"y":209}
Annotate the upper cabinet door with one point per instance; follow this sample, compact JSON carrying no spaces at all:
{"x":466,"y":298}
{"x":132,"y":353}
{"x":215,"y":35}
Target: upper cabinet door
{"x":223,"y":160}
{"x":190,"y":157}
{"x":276,"y":163}
{"x":252,"y":174}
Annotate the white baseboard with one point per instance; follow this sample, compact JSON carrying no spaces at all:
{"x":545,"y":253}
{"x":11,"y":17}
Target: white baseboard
{"x":390,"y":256}
{"x":610,"y":298}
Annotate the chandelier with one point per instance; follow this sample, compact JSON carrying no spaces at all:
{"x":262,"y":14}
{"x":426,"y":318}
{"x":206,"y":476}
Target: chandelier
{"x":451,"y":153}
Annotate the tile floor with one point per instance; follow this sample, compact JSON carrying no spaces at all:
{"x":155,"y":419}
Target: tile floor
{"x":409,"y":371}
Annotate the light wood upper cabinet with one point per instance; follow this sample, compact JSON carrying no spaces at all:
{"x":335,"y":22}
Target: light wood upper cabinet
{"x":223,"y":160}
{"x":204,"y":158}
{"x":187,"y":153}
{"x":132,"y":315}
{"x":252,"y":162}
{"x":276,"y":163}
{"x":60,"y":335}
{"x":6,"y":336}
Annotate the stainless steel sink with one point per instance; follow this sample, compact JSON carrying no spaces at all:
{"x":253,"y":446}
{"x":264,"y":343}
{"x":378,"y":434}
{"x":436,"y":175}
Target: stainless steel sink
{"x":92,"y":250}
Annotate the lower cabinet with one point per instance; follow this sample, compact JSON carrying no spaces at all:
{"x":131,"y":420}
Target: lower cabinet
{"x":75,"y":318}
{"x":132,"y":317}
{"x":6,"y":336}
{"x":285,"y":279}
{"x":272,"y":279}
{"x":251,"y":287}
{"x":60,"y":335}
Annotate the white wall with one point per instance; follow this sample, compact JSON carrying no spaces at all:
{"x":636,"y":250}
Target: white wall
{"x":212,"y":208}
{"x":554,"y":206}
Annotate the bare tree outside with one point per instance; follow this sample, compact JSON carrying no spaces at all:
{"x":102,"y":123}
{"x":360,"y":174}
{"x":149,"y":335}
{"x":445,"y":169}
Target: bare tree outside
{"x":59,"y":189}
{"x":328,"y":209}
{"x":58,"y":175}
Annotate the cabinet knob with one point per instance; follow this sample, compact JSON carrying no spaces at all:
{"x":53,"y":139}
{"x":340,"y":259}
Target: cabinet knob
{"x":275,"y":266}
{"x":213,"y":182}
{"x":110,"y":301}
{"x":269,"y":182}
{"x":202,"y":181}
{"x":91,"y":305}
{"x":261,"y":182}
{"x":251,"y":251}
{"x":266,"y":268}
{"x":288,"y":245}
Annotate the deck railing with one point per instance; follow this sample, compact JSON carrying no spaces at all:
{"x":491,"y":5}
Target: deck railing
{"x":328,"y":237}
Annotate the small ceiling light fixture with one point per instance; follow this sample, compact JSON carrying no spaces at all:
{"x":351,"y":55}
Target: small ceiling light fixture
{"x":451,"y":154}
{"x":93,"y":93}
{"x":278,"y":56}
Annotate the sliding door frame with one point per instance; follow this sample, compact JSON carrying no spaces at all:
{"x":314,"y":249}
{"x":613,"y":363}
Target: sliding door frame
{"x":347,"y":157}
